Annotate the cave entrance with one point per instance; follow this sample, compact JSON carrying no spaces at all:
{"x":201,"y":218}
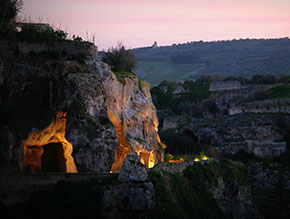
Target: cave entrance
{"x":48,"y":150}
{"x":144,"y":158}
{"x":147,"y":159}
{"x":52,"y":158}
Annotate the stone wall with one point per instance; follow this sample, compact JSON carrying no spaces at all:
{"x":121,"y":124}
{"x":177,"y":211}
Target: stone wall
{"x":224,"y":85}
{"x":172,"y":122}
{"x":227,"y":97}
{"x":70,"y":47}
{"x":245,"y":91}
{"x":267,"y":106}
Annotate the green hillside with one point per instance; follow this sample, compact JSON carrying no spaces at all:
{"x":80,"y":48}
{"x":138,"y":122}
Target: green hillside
{"x":236,"y":57}
{"x":158,"y":71}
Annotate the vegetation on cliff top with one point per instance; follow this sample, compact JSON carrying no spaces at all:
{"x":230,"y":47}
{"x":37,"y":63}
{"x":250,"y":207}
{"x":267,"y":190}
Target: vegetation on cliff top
{"x":12,"y":29}
{"x":8,"y":12}
{"x":187,"y":195}
{"x":120,"y":59}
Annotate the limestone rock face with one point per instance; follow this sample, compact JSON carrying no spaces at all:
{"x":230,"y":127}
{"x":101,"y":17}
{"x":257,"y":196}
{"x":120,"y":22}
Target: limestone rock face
{"x":173,"y":122}
{"x":103,"y":119}
{"x":132,"y":169}
{"x":134,"y":197}
{"x":133,"y":114}
{"x":257,"y":134}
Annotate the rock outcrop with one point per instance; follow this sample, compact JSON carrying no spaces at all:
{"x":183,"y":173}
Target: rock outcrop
{"x":173,"y":122}
{"x":133,"y":197}
{"x":256,"y":134}
{"x":234,"y":200}
{"x":76,"y":113}
{"x":132,"y":169}
{"x":266,"y":106}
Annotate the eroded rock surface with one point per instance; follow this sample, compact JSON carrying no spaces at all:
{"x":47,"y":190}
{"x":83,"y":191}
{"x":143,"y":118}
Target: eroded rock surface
{"x":257,"y":134}
{"x":132,"y":169}
{"x":105,"y":119}
{"x":234,"y":200}
{"x":134,"y":197}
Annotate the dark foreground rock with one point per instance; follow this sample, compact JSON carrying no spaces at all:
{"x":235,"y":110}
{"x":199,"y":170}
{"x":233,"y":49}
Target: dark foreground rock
{"x":134,"y":197}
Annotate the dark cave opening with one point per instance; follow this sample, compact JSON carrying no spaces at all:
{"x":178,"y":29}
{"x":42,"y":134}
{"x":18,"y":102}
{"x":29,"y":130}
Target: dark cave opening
{"x":52,"y":159}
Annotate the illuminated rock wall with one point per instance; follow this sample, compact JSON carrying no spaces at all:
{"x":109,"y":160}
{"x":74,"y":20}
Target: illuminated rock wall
{"x":54,"y":133}
{"x":133,"y":114}
{"x":79,"y":113}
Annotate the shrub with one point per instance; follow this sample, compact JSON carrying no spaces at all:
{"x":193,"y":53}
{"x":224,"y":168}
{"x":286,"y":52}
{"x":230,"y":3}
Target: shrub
{"x":280,"y":91}
{"x":77,"y":38}
{"x":121,"y":75}
{"x":263,"y":79}
{"x":8,"y":12}
{"x":180,"y":197}
{"x":120,"y":59}
{"x":30,"y":32}
{"x":284,"y":78}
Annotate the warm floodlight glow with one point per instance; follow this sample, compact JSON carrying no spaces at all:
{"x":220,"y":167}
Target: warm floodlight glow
{"x":196,"y":159}
{"x":48,"y":150}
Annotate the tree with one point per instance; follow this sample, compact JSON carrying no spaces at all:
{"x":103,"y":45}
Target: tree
{"x":8,"y":12}
{"x":284,"y":78}
{"x":77,"y":38}
{"x":120,"y":59}
{"x":263,"y":79}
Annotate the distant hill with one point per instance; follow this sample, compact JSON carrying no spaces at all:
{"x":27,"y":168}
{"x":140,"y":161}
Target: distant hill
{"x":244,"y":57}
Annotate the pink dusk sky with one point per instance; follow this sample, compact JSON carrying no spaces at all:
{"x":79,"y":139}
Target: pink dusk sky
{"x":138,"y":23}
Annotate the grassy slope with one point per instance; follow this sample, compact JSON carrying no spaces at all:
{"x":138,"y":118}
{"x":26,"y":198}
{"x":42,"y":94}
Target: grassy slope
{"x":280,"y":91}
{"x":239,"y":57}
{"x":159,"y":71}
{"x":186,"y":196}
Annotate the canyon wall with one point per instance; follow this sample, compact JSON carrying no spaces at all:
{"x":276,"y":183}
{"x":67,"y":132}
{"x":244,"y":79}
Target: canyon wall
{"x":66,"y":116}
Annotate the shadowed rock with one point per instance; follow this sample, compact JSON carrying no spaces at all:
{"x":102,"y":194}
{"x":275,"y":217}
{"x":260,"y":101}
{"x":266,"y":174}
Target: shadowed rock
{"x":132,"y":169}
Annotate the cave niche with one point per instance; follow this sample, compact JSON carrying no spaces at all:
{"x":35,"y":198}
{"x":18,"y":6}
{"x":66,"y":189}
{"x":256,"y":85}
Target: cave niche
{"x":48,"y":150}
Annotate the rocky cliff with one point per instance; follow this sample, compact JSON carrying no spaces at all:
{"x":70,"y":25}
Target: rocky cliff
{"x":257,"y":134}
{"x":63,"y":115}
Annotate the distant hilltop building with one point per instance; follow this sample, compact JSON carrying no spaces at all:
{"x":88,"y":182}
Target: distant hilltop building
{"x":154,"y":46}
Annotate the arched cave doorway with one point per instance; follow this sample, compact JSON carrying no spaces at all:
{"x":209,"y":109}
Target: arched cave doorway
{"x":48,"y":150}
{"x":52,"y":158}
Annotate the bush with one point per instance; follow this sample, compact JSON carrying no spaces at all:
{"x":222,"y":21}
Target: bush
{"x":77,"y":38}
{"x":121,"y":75}
{"x":280,"y":91}
{"x":263,"y":79}
{"x":284,"y":78}
{"x":180,"y":197}
{"x":30,"y":32}
{"x":120,"y":59}
{"x":8,"y":12}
